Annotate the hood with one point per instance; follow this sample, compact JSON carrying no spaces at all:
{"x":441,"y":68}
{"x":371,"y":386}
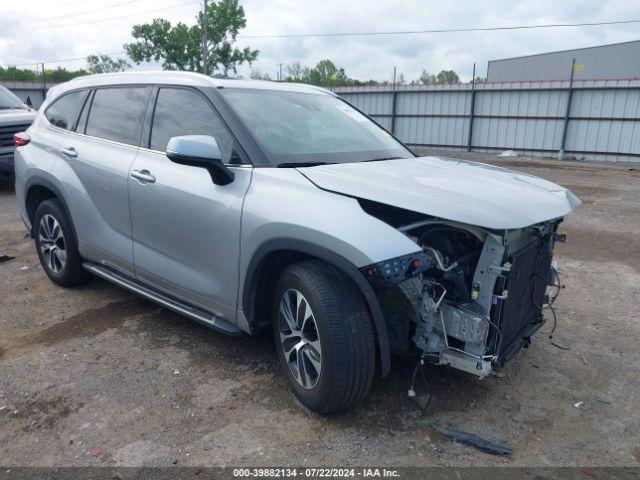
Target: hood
{"x":456,"y":190}
{"x":16,"y":117}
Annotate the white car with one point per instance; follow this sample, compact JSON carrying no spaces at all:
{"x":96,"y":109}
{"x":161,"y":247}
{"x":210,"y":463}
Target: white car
{"x":15,"y":117}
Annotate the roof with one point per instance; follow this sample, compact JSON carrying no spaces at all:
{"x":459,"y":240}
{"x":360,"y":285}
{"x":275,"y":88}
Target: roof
{"x":564,"y":51}
{"x":184,"y":78}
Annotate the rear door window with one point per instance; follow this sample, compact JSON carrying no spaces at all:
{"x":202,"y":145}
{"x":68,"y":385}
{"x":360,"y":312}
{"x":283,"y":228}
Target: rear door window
{"x":182,"y":111}
{"x":117,"y":113}
{"x":63,"y":112}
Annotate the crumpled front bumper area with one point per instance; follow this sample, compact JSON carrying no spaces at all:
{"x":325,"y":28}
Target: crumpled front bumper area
{"x":473,"y":309}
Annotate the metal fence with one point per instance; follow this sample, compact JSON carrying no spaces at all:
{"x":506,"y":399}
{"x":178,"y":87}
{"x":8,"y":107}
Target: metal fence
{"x":589,"y":119}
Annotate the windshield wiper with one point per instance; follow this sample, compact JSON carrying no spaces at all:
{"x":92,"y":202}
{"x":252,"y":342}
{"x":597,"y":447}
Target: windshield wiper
{"x":383,"y":158}
{"x":303,"y":164}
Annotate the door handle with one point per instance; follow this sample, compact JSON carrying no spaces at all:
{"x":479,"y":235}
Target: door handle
{"x":143,"y":176}
{"x":69,"y":152}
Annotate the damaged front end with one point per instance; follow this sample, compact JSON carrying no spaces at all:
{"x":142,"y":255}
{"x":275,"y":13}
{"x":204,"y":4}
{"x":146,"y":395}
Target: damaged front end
{"x":472,"y":298}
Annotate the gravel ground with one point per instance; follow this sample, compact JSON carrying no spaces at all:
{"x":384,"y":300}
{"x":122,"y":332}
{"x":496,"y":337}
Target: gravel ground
{"x":97,"y":376}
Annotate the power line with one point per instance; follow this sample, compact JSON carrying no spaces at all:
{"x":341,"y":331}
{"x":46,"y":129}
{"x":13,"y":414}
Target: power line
{"x":75,"y":2}
{"x":90,"y":22}
{"x":340,"y":34}
{"x":99,"y":21}
{"x":344,"y":34}
{"x":106,"y":7}
{"x":64,"y":60}
{"x":444,"y":30}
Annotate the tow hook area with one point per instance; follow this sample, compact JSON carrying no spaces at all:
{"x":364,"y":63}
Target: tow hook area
{"x":451,"y":335}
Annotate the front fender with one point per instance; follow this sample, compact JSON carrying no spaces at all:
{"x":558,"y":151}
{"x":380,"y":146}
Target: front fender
{"x":282,"y":203}
{"x":348,"y":268}
{"x":284,"y":211}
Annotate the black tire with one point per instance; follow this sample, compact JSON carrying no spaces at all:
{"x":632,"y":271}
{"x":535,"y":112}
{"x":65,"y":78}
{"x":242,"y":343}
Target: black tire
{"x":71,"y":272}
{"x":345,"y":332}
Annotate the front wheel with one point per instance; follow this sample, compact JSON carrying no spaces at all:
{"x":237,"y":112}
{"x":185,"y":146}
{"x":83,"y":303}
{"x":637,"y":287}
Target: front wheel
{"x":324,"y":337}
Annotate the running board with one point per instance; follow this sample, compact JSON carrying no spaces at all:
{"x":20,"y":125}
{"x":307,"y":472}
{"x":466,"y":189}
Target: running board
{"x":194,"y":313}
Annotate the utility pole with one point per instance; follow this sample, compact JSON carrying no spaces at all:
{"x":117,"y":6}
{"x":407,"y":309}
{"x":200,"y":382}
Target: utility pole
{"x":394,"y":102}
{"x":44,"y":82}
{"x":280,"y":71}
{"x":205,"y":41}
{"x":471,"y":110}
{"x":565,"y":124}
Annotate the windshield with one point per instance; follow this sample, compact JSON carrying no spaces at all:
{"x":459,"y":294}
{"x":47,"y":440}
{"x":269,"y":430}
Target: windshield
{"x":297,"y":129}
{"x":9,"y":100}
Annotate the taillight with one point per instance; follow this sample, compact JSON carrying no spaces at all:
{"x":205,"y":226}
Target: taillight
{"x":20,"y":139}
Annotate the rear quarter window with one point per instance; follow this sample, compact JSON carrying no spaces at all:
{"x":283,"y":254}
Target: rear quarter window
{"x":62,"y":113}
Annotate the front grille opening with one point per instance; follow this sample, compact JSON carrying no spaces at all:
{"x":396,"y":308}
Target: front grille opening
{"x":522,"y":308}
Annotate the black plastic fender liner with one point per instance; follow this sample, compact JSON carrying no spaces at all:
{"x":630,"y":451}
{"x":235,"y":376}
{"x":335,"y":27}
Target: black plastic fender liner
{"x":286,"y":244}
{"x":493,"y":447}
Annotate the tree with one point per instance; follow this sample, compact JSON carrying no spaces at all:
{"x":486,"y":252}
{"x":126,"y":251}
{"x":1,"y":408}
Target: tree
{"x":447,"y":76}
{"x":426,"y":77}
{"x":13,"y":73}
{"x":56,"y":75}
{"x":258,"y":75}
{"x":105,"y":64}
{"x":60,"y":74}
{"x":325,"y":74}
{"x":179,"y":46}
{"x":296,"y":72}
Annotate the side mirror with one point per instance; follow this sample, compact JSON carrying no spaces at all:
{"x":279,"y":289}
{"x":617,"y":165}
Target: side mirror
{"x":200,"y":151}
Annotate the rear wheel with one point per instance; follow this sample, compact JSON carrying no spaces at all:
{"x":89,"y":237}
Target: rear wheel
{"x":324,"y":337}
{"x":56,"y":244}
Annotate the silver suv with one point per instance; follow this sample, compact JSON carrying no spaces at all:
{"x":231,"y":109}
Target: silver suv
{"x":251,"y":205}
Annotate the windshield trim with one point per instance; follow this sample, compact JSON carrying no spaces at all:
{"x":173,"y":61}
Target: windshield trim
{"x":269,"y":163}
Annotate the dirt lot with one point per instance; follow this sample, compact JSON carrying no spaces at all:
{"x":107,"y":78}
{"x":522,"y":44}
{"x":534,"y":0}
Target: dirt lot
{"x":96,"y":376}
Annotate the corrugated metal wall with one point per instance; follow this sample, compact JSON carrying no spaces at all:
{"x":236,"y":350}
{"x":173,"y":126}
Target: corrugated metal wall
{"x":529,"y":117}
{"x":619,"y":60}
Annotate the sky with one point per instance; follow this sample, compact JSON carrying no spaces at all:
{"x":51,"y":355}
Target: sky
{"x":33,"y":31}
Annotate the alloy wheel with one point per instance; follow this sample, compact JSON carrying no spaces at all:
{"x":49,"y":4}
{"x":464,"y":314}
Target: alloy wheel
{"x":299,"y":338}
{"x":52,"y":243}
